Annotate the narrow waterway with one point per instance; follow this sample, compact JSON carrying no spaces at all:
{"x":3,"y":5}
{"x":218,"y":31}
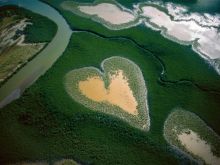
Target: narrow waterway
{"x":27,"y":75}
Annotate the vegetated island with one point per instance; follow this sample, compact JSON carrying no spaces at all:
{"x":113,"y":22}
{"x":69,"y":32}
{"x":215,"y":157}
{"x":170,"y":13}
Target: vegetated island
{"x":119,"y":90}
{"x":190,"y":134}
{"x":23,"y":34}
{"x":46,"y":119}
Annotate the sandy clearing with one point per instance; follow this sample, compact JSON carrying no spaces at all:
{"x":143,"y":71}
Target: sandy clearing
{"x":13,"y":51}
{"x":132,"y":80}
{"x":108,"y":12}
{"x":8,"y":34}
{"x":187,"y":31}
{"x":66,"y":162}
{"x":194,"y":144}
{"x":118,"y":93}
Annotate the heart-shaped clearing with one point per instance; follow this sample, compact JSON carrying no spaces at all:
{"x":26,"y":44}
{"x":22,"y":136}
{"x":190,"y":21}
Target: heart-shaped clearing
{"x":120,"y":90}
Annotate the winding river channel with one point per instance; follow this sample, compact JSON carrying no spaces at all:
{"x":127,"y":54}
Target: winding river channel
{"x":27,"y":75}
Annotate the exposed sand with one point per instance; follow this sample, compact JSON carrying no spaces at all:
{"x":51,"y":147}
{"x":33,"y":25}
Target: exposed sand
{"x":108,"y":12}
{"x":118,"y":89}
{"x":66,"y":162}
{"x":194,"y":144}
{"x":8,"y":33}
{"x":13,"y":51}
{"x":118,"y":93}
{"x":187,"y":31}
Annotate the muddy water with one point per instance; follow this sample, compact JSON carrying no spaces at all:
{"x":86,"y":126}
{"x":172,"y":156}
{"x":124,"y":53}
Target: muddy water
{"x":118,"y":92}
{"x":45,"y":59}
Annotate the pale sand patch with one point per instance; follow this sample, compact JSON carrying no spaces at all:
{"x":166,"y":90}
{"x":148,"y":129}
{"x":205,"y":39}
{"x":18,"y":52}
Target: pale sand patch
{"x":110,"y":74}
{"x":13,"y":51}
{"x":66,"y":162}
{"x":118,"y":93}
{"x":208,"y":38}
{"x":108,"y":12}
{"x":8,"y":33}
{"x":194,"y":144}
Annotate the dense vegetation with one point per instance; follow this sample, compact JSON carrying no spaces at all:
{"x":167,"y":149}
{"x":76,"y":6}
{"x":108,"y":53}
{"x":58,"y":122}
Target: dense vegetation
{"x":180,"y":63}
{"x":109,"y":66}
{"x":176,"y":57}
{"x":45,"y":123}
{"x":180,"y":121}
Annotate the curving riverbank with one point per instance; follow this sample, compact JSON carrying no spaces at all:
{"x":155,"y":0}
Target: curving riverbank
{"x":44,"y":60}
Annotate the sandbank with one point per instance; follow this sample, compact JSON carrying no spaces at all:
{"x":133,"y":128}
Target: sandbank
{"x":117,"y":93}
{"x":108,"y":12}
{"x":111,"y":14}
{"x":186,"y":132}
{"x":194,"y":144}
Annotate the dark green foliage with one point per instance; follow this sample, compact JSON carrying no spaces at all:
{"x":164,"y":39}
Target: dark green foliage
{"x":42,"y":30}
{"x":45,"y":123}
{"x":181,"y":61}
{"x":49,"y":124}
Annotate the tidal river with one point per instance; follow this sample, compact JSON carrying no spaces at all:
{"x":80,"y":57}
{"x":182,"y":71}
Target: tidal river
{"x":27,"y":75}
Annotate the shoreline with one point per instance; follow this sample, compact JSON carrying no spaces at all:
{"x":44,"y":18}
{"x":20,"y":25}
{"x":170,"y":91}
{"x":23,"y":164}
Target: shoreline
{"x":24,"y":77}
